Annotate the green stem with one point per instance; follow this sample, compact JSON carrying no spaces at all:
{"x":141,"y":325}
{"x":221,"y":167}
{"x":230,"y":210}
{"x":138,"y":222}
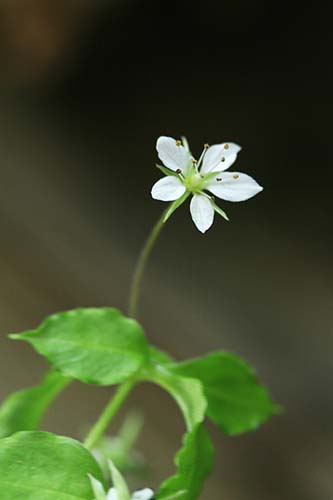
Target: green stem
{"x":141,"y":264}
{"x":124,"y":389}
{"x":108,"y":413}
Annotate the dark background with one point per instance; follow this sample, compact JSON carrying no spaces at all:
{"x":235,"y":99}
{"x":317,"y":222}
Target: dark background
{"x":84,"y":93}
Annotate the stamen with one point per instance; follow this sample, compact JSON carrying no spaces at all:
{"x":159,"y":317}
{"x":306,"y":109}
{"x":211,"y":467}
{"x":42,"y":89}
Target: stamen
{"x":222,"y":159}
{"x":178,"y":143}
{"x":194,"y":161}
{"x":236,"y":176}
{"x":178,"y":171}
{"x":218,"y":179}
{"x":206,"y":146}
{"x":226,"y":146}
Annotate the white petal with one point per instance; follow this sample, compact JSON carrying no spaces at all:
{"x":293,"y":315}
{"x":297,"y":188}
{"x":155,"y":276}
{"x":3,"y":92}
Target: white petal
{"x":172,"y":155}
{"x":112,"y":495}
{"x":202,"y":212}
{"x":233,"y":186}
{"x":219,"y":157}
{"x":145,"y":494}
{"x":97,"y":488}
{"x":168,"y":189}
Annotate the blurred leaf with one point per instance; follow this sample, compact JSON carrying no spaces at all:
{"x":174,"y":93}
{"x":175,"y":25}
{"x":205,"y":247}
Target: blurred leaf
{"x":159,"y":357}
{"x":236,"y":401}
{"x":24,"y":409}
{"x":194,"y":462}
{"x":120,"y":448}
{"x":187,"y":392}
{"x":94,"y":345}
{"x":39,"y":466}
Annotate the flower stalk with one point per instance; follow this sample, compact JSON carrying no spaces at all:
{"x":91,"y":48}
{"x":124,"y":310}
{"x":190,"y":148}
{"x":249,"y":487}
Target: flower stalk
{"x":108,"y":413}
{"x":141,"y":264}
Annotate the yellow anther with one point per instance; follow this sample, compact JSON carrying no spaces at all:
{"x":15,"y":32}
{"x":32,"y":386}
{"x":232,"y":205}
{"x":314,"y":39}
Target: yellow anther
{"x":178,"y":143}
{"x":206,"y":146}
{"x":194,"y":161}
{"x":226,"y":146}
{"x":236,"y":176}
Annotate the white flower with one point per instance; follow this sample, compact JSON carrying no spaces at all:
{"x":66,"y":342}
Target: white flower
{"x":185,"y":176}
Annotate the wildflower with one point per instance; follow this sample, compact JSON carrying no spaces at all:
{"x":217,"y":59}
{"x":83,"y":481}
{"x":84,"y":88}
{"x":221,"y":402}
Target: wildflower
{"x":185,"y":176}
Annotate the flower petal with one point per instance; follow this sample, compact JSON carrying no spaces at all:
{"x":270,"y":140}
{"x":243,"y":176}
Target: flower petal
{"x":202,"y":212}
{"x":145,"y":494}
{"x":233,"y":186}
{"x":219,"y":157}
{"x":168,"y":189}
{"x":173,"y":154}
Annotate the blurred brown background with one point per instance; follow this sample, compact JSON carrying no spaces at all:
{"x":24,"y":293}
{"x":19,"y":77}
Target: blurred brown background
{"x":84,"y":93}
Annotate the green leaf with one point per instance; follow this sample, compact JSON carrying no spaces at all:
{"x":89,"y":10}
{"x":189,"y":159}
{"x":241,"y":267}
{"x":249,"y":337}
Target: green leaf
{"x":174,"y":205}
{"x":159,"y":357}
{"x":194,"y":462}
{"x":236,"y":401}
{"x":94,"y":345}
{"x":187,"y":392}
{"x":119,"y":483}
{"x":39,"y":466}
{"x":24,"y":409}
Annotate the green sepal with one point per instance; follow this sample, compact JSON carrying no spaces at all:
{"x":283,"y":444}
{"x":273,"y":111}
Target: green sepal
{"x":167,"y":171}
{"x":186,"y":144}
{"x":219,"y":210}
{"x":194,"y":462}
{"x":237,"y":403}
{"x":39,"y":465}
{"x":24,"y":409}
{"x":95,"y":345}
{"x":212,"y":175}
{"x":174,"y":205}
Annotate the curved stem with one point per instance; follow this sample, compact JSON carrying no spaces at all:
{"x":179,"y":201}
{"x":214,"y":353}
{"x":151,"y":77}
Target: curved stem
{"x":108,"y":413}
{"x":124,"y":389}
{"x":141,"y":264}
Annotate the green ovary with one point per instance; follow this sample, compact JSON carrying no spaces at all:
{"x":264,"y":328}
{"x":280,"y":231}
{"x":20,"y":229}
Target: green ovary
{"x":194,"y":182}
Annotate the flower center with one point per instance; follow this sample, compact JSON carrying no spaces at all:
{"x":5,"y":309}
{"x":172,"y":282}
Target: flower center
{"x":194,"y":182}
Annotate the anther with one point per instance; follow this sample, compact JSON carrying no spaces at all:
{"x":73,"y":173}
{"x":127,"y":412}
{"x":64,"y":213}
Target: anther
{"x":178,"y":143}
{"x":218,"y":179}
{"x":194,"y":161}
{"x":178,"y":171}
{"x":206,"y":146}
{"x":236,"y":176}
{"x":226,"y":146}
{"x":222,"y":159}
